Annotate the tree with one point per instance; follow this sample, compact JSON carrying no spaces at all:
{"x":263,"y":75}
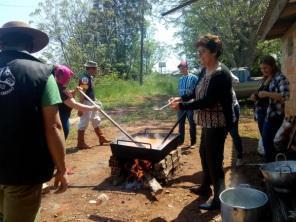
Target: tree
{"x":106,"y":31}
{"x":235,"y":21}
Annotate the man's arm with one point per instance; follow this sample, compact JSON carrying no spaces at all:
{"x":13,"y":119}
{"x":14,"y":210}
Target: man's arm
{"x":56,"y":143}
{"x":53,"y":130}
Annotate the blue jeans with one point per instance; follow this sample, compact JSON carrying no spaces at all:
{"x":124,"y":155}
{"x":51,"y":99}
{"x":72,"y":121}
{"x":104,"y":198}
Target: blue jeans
{"x":261,"y":114}
{"x":270,"y":128}
{"x":192,"y":125}
{"x":65,"y":123}
{"x":237,"y":141}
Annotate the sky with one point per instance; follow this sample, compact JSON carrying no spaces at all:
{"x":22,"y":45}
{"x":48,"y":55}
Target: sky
{"x":21,"y":9}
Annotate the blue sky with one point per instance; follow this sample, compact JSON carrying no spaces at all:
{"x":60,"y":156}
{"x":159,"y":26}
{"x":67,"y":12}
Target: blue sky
{"x":16,"y":10}
{"x":20,"y":10}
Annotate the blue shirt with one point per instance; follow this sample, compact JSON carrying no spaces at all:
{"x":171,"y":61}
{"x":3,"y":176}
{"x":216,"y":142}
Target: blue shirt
{"x":187,"y":86}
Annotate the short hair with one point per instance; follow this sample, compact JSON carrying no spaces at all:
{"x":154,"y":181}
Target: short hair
{"x":212,"y":42}
{"x":18,"y":41}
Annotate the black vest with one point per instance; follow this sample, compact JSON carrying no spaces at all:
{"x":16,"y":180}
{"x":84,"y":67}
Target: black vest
{"x":24,"y":155}
{"x":86,"y":79}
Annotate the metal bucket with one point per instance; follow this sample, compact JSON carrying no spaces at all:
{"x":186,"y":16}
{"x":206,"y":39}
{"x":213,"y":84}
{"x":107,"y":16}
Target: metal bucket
{"x":243,"y":204}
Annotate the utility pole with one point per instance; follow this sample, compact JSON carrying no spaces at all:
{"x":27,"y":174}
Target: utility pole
{"x":142,"y":43}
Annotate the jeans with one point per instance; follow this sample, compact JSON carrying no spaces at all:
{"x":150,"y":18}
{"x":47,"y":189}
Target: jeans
{"x":65,"y":123}
{"x":261,"y":114}
{"x":192,"y":126}
{"x":237,"y":141}
{"x":268,"y":133}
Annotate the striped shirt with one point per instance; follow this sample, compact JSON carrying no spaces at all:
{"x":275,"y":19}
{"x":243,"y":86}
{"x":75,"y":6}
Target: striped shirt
{"x":187,"y":85}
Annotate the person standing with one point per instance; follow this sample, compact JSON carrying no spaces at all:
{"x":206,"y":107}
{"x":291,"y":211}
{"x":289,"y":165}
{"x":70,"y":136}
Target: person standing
{"x":186,"y":86}
{"x":213,"y":105}
{"x":234,"y":132}
{"x":86,"y":82}
{"x":31,"y":134}
{"x":63,"y":75}
{"x":272,"y":95}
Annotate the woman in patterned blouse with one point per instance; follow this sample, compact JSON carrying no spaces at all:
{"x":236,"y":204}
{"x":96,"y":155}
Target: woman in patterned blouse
{"x":213,"y":105}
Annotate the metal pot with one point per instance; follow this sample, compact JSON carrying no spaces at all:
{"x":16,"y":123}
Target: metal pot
{"x":243,"y":204}
{"x":281,"y":175}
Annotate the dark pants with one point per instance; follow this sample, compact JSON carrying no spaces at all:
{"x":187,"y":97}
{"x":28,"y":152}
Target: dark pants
{"x":212,"y":155}
{"x":270,"y":128}
{"x":237,"y":141}
{"x":65,"y":123}
{"x":261,"y":114}
{"x":20,"y":203}
{"x":192,"y":125}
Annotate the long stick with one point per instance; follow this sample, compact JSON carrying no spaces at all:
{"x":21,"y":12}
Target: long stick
{"x":108,"y":117}
{"x":179,"y":120}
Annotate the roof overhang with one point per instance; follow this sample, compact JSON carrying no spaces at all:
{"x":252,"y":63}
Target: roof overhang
{"x":279,"y":17}
{"x":178,"y":7}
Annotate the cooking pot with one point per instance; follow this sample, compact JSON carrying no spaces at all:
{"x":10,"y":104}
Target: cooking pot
{"x":243,"y":204}
{"x":281,"y":175}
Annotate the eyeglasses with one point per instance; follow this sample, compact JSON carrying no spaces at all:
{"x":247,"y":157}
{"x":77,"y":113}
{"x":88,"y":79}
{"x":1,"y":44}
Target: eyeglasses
{"x":202,"y":51}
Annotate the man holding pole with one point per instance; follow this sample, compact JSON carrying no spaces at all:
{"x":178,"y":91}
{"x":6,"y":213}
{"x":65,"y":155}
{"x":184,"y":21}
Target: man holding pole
{"x":86,"y":83}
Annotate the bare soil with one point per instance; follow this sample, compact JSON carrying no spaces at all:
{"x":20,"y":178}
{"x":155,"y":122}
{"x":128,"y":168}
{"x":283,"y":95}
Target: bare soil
{"x":91,"y":178}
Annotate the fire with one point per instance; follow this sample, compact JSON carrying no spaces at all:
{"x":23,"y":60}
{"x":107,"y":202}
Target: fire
{"x":138,"y":169}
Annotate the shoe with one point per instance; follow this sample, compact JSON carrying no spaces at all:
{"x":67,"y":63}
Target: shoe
{"x":192,"y":146}
{"x":81,"y":145}
{"x":102,"y":138}
{"x":201,"y":191}
{"x":239,"y":162}
{"x":213,"y":205}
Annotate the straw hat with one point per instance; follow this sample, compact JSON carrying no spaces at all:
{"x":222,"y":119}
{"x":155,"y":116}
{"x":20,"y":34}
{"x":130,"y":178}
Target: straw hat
{"x":39,"y":38}
{"x":91,"y":64}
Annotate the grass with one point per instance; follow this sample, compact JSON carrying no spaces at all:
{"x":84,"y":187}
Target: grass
{"x":128,"y":101}
{"x":119,"y":93}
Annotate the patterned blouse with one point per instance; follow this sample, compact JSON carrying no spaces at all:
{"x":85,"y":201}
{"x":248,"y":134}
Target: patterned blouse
{"x":213,"y":102}
{"x":210,"y":117}
{"x":279,"y":84}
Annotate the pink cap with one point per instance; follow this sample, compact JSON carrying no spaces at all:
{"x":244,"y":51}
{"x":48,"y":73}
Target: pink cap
{"x":183,"y":63}
{"x":63,"y":74}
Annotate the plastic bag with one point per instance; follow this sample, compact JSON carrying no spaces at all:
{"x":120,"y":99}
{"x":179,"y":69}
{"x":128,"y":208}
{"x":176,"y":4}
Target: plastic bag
{"x":260,"y":148}
{"x":282,"y":137}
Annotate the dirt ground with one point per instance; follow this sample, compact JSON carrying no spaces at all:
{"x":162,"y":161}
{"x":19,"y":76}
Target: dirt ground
{"x":91,"y":179}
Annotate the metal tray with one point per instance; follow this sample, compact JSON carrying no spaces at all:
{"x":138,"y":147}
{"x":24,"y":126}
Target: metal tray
{"x":144,"y":151}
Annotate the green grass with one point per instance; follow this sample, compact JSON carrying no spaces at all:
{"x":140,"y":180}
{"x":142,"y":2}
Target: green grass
{"x":117,"y":93}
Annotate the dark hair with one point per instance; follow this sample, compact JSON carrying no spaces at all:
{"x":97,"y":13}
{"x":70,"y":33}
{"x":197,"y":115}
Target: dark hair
{"x":15,"y":40}
{"x":212,"y":43}
{"x":270,"y":61}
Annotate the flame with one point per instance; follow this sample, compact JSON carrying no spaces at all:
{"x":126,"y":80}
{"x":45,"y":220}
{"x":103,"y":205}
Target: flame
{"x":138,"y":168}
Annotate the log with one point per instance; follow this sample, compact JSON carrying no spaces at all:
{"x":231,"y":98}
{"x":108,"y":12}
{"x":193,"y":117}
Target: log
{"x":153,"y":183}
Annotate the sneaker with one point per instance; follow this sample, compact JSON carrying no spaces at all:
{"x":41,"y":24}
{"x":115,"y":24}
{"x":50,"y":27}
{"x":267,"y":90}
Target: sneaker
{"x":239,"y":162}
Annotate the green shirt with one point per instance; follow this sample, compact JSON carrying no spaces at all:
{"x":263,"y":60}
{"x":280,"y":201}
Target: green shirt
{"x":51,"y":95}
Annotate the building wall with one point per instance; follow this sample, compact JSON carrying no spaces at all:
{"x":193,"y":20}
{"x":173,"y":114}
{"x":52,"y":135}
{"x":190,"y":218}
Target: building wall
{"x":289,"y":67}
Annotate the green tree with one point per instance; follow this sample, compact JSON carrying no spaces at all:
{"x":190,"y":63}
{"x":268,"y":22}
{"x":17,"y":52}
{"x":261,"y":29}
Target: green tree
{"x":106,"y":31}
{"x":236,"y":21}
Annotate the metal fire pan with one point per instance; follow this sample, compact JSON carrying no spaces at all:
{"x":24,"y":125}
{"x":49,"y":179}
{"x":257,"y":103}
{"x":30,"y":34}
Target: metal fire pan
{"x":146,"y":151}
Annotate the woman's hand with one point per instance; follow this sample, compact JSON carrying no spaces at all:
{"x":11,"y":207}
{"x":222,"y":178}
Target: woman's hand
{"x":175,"y":105}
{"x":175,"y":99}
{"x":263,"y":94}
{"x":253,"y":97}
